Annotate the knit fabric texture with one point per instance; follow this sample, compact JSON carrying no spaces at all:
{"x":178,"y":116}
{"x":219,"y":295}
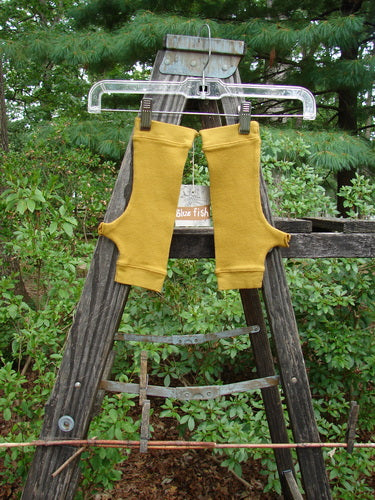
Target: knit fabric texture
{"x":144,"y":231}
{"x":242,"y":234}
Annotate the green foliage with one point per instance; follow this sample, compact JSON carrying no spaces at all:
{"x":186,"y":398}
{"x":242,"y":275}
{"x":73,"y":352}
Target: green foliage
{"x":336,"y":327}
{"x":99,"y":463}
{"x":53,"y":52}
{"x":51,"y":201}
{"x":323,"y":151}
{"x":237,"y":419}
{"x":53,"y":198}
{"x":359,"y":197}
{"x":55,"y":189}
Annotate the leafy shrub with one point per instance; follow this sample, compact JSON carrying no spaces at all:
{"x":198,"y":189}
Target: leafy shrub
{"x":53,"y":200}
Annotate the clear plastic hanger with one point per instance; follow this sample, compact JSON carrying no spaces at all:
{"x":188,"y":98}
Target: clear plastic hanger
{"x":201,"y":88}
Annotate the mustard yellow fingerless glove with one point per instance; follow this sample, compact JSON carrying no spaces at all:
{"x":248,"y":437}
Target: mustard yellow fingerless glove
{"x":143,"y":232}
{"x":242,"y":234}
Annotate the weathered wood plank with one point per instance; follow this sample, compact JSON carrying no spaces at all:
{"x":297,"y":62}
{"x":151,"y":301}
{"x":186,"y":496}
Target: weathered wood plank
{"x":342,"y":225}
{"x":192,"y":243}
{"x":290,"y":357}
{"x":262,"y":354}
{"x":88,"y":346}
{"x":293,"y":225}
{"x":271,"y":397}
{"x":327,"y":245}
{"x":90,"y":338}
{"x":294,"y":377}
{"x":198,"y":242}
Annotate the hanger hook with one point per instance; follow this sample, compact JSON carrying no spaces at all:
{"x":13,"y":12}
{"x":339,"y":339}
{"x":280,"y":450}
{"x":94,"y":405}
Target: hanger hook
{"x":209,"y":49}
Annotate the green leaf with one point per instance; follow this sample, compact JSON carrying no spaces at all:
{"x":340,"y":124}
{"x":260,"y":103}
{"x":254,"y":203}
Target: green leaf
{"x":52,"y":228}
{"x":7,"y":414}
{"x":191,"y":423}
{"x":184,"y":419}
{"x":13,"y":311}
{"x":113,"y":415}
{"x":68,"y":228}
{"x":118,"y":432}
{"x":30,"y":205}
{"x":21,"y":207}
{"x":38,"y":196}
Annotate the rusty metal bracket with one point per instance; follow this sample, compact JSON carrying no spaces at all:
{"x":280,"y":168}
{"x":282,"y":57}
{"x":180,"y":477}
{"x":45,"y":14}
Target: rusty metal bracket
{"x":198,"y":338}
{"x":203,"y":392}
{"x":187,"y":55}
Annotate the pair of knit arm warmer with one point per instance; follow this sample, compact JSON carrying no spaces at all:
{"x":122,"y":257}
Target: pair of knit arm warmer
{"x":242,"y":235}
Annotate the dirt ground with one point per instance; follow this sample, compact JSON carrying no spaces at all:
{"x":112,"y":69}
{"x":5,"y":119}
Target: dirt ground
{"x":173,"y":475}
{"x":185,"y":475}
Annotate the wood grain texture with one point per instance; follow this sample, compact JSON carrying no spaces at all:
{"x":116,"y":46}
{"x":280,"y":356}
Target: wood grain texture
{"x":342,"y":225}
{"x":291,"y":363}
{"x":261,"y":348}
{"x":195,"y":243}
{"x":88,"y":346}
{"x":260,"y":344}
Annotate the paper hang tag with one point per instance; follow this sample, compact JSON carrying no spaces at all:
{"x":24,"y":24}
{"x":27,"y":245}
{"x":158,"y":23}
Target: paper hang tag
{"x":193,"y":206}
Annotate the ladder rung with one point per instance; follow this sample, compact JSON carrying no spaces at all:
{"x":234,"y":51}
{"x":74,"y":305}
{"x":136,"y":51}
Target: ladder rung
{"x":203,"y":392}
{"x":198,"y":338}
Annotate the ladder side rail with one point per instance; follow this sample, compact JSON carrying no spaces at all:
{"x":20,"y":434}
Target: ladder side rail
{"x":293,"y":373}
{"x":260,"y":344}
{"x":88,"y":346}
{"x":294,"y":378}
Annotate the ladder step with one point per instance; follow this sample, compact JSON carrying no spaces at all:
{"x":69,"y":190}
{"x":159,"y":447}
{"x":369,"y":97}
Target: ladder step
{"x":198,"y":338}
{"x":203,"y":392}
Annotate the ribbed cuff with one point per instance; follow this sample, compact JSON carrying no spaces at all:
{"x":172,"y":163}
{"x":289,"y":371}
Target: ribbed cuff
{"x":228,"y":280}
{"x":137,"y":276}
{"x":166,"y":132}
{"x":217,"y":137}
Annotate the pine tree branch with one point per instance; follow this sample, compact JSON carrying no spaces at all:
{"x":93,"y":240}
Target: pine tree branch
{"x":323,"y":16}
{"x":323,"y":92}
{"x":327,"y":106}
{"x":366,"y":127}
{"x":367,"y":40}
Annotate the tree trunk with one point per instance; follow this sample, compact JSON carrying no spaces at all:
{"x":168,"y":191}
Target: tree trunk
{"x":347,"y":116}
{"x":347,"y":120}
{"x":3,"y":117}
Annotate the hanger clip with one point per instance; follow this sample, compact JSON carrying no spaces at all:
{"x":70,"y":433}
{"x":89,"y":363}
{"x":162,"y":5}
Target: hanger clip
{"x":245,"y":117}
{"x":146,"y":113}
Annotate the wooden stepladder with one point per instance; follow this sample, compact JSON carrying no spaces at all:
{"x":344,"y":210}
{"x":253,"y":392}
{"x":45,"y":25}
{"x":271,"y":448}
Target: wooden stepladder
{"x":87,"y":358}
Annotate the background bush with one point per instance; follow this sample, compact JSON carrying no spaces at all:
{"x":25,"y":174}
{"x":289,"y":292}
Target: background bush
{"x":53,"y":199}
